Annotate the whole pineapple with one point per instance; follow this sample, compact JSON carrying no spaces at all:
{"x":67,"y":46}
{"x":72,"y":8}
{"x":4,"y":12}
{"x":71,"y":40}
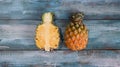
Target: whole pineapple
{"x":76,"y":33}
{"x":47,"y":34}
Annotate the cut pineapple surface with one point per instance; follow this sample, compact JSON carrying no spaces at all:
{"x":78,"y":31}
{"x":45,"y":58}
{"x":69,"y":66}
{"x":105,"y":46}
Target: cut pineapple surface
{"x":47,"y":34}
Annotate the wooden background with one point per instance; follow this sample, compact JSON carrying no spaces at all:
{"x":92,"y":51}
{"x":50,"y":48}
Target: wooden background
{"x":18,"y":21}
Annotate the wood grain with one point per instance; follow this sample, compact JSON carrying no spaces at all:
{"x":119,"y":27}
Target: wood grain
{"x":90,"y":58}
{"x":19,"y":34}
{"x":33,"y":9}
{"x":19,"y":19}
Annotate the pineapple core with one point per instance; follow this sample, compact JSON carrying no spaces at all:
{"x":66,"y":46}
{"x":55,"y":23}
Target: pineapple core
{"x":47,"y":35}
{"x":47,"y":20}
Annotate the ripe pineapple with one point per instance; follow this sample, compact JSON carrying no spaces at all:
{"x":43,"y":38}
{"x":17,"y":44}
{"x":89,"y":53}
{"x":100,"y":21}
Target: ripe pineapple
{"x":76,"y":33}
{"x":47,"y":34}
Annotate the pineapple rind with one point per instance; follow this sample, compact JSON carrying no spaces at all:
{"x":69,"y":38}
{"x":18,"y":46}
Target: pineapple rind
{"x":76,"y":33}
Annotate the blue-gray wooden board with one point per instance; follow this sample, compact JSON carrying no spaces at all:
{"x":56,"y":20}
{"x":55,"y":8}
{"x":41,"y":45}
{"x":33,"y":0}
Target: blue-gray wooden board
{"x":19,"y":19}
{"x":19,"y":34}
{"x":32,"y":9}
{"x":88,"y":58}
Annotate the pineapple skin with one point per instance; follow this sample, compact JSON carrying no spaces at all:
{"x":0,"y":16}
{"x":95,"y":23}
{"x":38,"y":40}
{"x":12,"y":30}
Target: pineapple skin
{"x":76,"y":33}
{"x":47,"y":34}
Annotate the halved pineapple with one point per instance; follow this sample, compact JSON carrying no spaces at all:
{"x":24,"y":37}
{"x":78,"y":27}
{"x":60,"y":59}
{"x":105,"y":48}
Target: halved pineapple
{"x":47,"y":34}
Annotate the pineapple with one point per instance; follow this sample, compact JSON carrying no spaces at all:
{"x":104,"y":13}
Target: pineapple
{"x":47,"y":34}
{"x":76,"y":33}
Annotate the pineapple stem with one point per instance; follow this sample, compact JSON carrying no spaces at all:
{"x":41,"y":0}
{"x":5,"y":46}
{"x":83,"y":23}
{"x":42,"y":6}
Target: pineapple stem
{"x":78,"y":16}
{"x":47,"y":17}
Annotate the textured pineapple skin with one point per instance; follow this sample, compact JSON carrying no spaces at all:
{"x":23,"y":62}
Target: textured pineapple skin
{"x":47,"y":37}
{"x":76,"y":36}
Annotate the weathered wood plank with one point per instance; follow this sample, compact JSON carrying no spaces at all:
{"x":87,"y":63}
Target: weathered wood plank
{"x":19,"y":34}
{"x":32,"y":9}
{"x":88,"y":58}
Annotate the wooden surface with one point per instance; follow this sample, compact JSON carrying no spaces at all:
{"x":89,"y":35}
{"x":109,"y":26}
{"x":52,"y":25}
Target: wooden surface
{"x":19,"y":34}
{"x":32,"y":9}
{"x":19,"y":19}
{"x":88,"y":58}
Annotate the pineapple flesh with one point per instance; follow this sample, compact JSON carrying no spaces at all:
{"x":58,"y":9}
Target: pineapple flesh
{"x":47,"y":34}
{"x":76,"y":33}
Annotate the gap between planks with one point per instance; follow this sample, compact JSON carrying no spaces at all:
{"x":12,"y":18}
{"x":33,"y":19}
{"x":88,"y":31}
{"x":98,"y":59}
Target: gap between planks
{"x":55,"y":50}
{"x":55,"y":19}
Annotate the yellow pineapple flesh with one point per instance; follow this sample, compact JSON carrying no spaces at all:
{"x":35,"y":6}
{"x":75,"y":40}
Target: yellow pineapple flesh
{"x":47,"y":34}
{"x":76,"y":33}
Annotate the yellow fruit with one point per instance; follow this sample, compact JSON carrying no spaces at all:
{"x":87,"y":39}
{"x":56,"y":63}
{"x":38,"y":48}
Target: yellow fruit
{"x":47,"y":34}
{"x":76,"y":33}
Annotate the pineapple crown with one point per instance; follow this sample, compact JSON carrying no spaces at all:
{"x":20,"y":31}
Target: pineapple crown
{"x":47,"y":17}
{"x":77,"y":16}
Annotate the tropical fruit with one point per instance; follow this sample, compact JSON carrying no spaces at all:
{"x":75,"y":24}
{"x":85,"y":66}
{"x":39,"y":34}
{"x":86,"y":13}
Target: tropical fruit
{"x":76,"y":33}
{"x":47,"y":34}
